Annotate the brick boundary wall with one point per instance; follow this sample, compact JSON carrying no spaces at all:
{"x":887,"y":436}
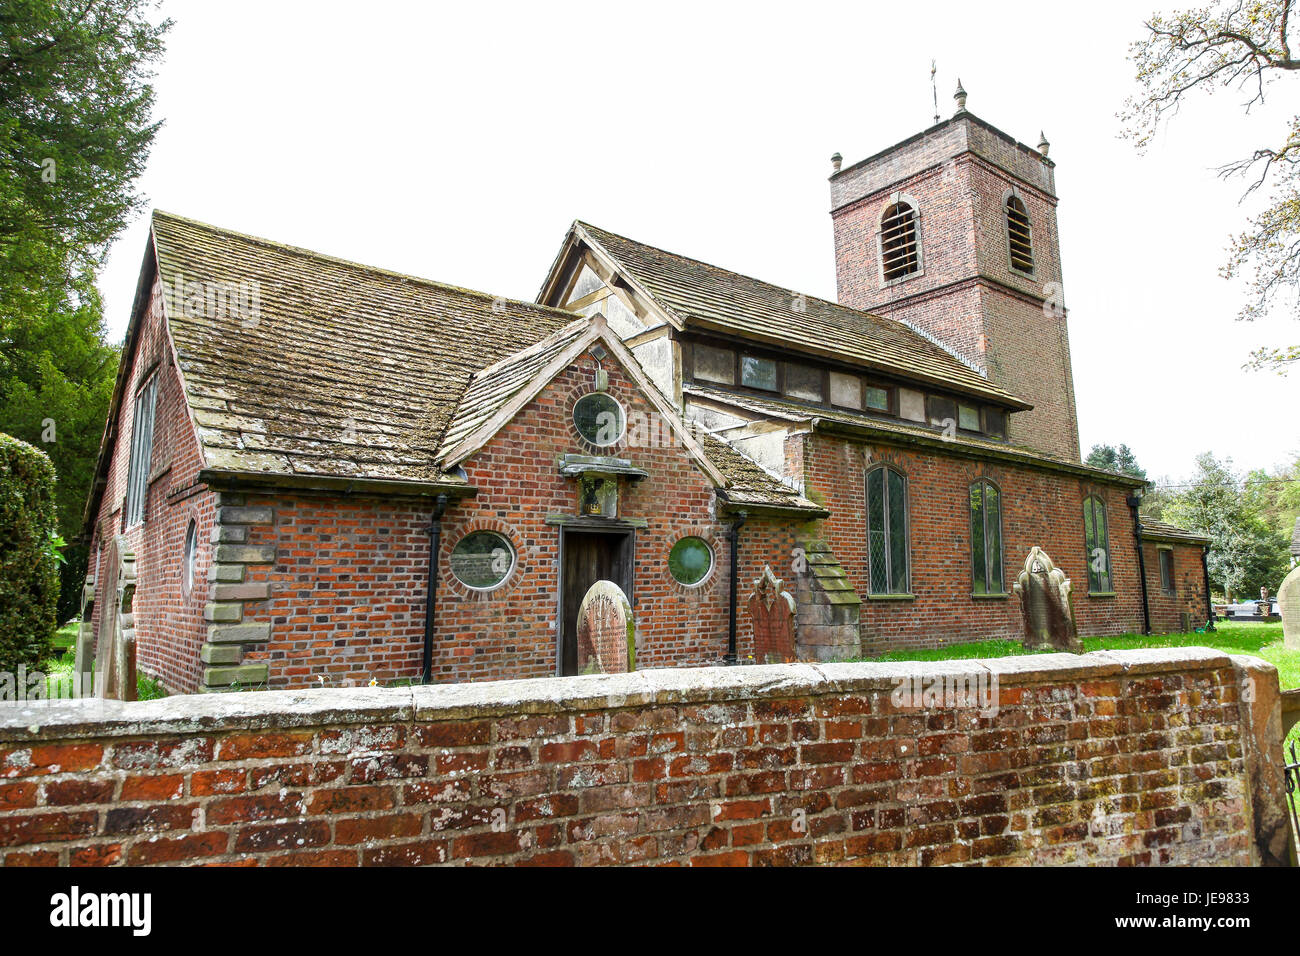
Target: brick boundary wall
{"x":1129,"y":757}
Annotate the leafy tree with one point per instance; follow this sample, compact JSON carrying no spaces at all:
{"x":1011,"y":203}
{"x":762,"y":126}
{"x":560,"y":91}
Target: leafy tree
{"x":75,"y":132}
{"x":1115,"y":459}
{"x":1245,"y":553}
{"x":1244,"y":45}
{"x":1275,"y":495}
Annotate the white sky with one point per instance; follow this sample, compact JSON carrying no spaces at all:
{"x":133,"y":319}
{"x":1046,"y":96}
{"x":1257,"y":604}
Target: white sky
{"x":458,"y":142}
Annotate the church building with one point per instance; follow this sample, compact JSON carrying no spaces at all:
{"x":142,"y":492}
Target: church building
{"x":322,"y":473}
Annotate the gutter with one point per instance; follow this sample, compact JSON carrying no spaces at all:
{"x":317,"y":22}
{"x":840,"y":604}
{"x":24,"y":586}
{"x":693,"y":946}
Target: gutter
{"x":1133,"y":501}
{"x":258,"y":481}
{"x":733,"y":536}
{"x":1205,"y":572}
{"x":431,"y":593}
{"x":1010,"y":456}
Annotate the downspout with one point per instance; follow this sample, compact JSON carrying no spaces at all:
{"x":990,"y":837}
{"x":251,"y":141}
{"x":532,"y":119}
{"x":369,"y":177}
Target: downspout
{"x":1133,"y":501}
{"x":733,"y":534}
{"x":431,"y":595}
{"x":1209,"y":605}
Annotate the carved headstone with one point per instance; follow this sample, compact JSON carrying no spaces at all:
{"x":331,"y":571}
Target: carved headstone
{"x":84,"y":653}
{"x":606,"y":631}
{"x":115,"y":676}
{"x":772,"y":610}
{"x":1045,"y":606}
{"x":1288,"y":602}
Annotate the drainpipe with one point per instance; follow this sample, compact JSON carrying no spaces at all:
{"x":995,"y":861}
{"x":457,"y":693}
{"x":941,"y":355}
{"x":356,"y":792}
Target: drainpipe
{"x":1209,"y":606}
{"x":431,"y":596}
{"x":1133,"y":501}
{"x":734,"y":545}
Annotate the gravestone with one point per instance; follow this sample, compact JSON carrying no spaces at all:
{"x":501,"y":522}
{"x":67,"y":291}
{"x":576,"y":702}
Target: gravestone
{"x":772,"y":609}
{"x":1288,"y":602}
{"x":1046,"y":610}
{"x":606,"y":631}
{"x":84,"y":652}
{"x":115,"y":676}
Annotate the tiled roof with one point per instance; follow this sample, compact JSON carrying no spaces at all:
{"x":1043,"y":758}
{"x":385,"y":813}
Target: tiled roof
{"x":349,"y":371}
{"x":343,"y":370}
{"x":490,"y":389}
{"x":886,"y":428}
{"x":708,"y":297}
{"x":747,"y":482}
{"x":1151,"y":528}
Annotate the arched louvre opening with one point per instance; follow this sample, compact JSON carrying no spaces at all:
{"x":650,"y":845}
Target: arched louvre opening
{"x":899,"y":246}
{"x":1019,"y":235}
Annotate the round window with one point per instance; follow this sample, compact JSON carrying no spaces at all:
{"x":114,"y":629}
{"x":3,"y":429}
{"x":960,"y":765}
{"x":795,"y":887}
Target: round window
{"x":191,"y":555}
{"x":690,"y":561}
{"x":599,"y":419}
{"x":482,"y":560}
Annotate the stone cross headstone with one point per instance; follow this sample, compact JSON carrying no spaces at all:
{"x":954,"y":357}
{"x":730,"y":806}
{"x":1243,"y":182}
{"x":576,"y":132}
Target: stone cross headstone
{"x":772,"y":610}
{"x":115,"y":676}
{"x":1288,"y":602}
{"x":1045,"y":606}
{"x":606,"y":631}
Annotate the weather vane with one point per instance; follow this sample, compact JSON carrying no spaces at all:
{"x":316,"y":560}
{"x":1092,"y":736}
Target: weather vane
{"x":934,"y":89}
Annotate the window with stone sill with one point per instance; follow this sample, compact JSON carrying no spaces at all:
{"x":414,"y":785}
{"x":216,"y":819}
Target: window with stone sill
{"x":1167,"y":571}
{"x":986,"y":538}
{"x":887,"y":544}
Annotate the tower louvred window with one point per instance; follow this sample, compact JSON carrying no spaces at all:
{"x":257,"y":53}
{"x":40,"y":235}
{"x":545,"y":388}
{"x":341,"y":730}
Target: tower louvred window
{"x":1018,"y":233}
{"x":899,"y":246}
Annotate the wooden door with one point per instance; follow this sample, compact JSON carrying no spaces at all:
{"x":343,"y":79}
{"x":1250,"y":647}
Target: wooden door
{"x":585,"y":558}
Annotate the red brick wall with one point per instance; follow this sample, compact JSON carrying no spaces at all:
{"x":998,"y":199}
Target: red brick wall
{"x":1189,"y":589}
{"x":348,"y":585}
{"x":1008,"y":334}
{"x":169,"y":620}
{"x":1126,"y":758}
{"x":1039,"y":508}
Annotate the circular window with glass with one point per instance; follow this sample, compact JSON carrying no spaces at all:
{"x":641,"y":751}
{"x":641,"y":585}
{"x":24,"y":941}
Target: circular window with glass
{"x":482,"y":560}
{"x":690,"y":561}
{"x":599,"y":418}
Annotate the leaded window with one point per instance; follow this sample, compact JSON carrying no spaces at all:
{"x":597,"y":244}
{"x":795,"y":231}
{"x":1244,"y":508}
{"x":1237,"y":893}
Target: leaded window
{"x":986,"y":537}
{"x":887,"y":531}
{"x":1097,"y":544}
{"x":137,"y":482}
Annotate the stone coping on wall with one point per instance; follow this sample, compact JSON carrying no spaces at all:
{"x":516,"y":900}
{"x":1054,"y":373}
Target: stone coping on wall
{"x":255,"y":710}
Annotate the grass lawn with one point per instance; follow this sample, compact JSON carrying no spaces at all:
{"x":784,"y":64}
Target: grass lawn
{"x":1231,"y":637}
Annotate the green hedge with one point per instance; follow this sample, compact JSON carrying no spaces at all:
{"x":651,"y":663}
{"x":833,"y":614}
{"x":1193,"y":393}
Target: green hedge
{"x":29,"y":573}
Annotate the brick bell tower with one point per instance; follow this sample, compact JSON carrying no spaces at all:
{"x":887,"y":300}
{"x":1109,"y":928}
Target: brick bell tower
{"x":953,"y":231}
